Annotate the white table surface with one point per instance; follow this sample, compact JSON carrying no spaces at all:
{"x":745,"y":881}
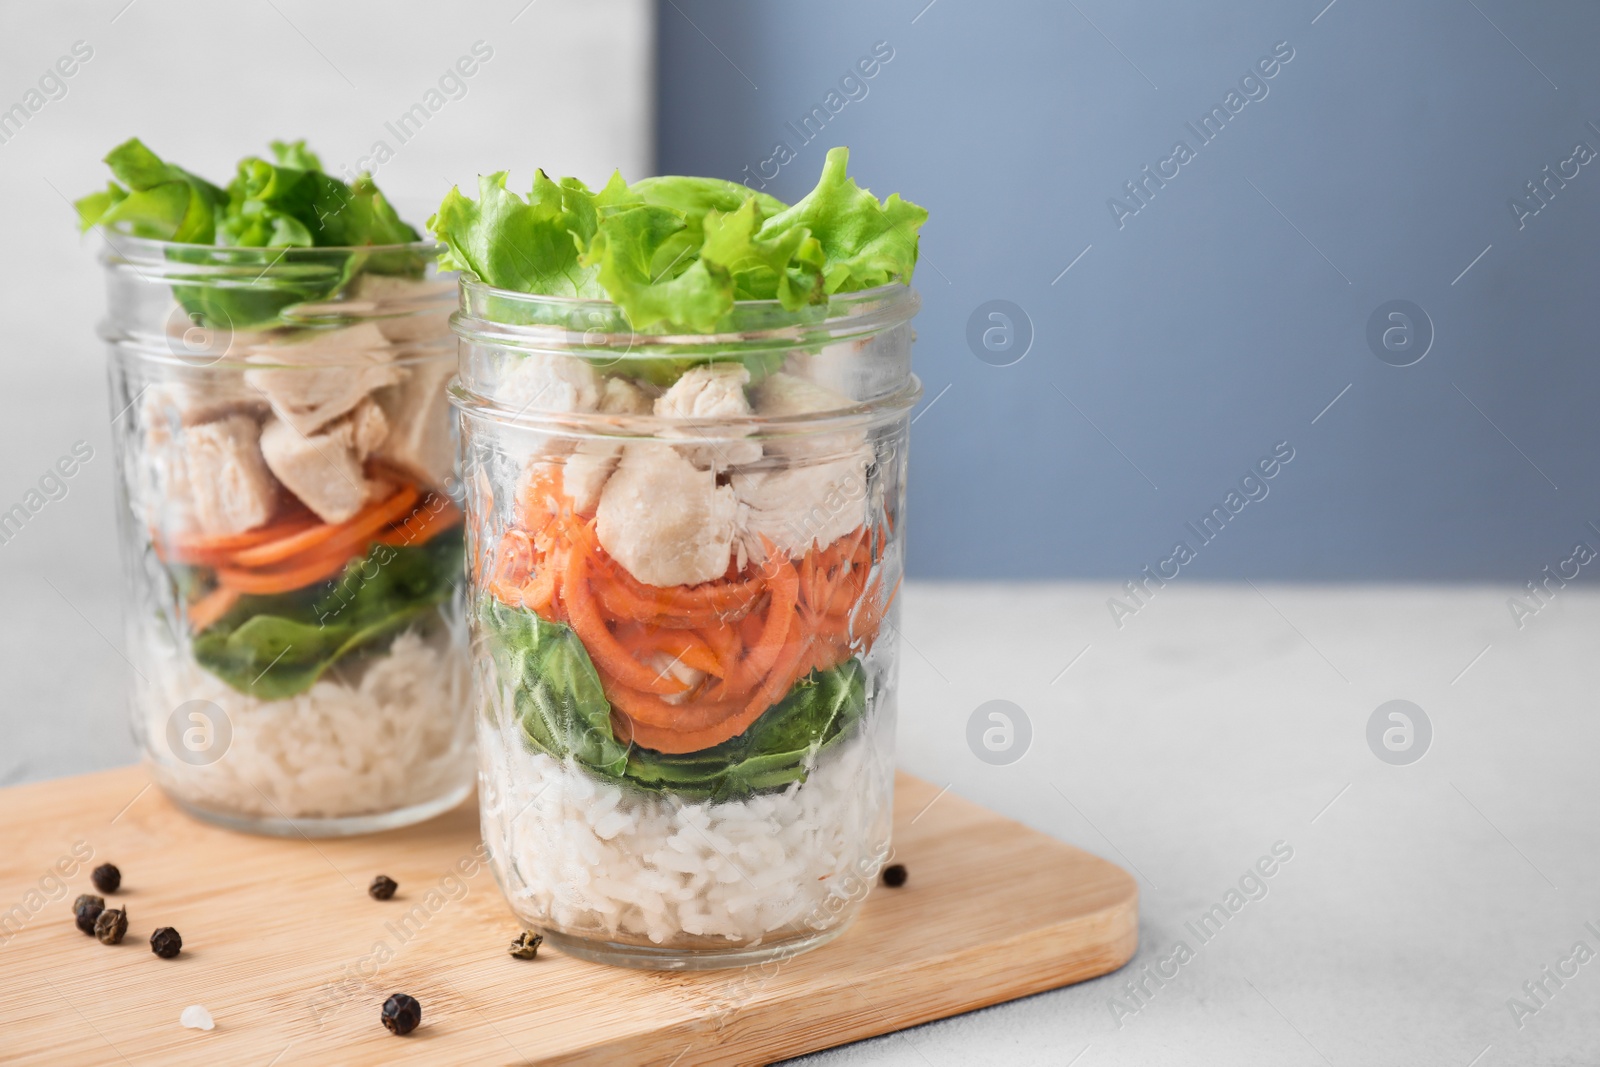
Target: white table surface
{"x":1218,"y":721}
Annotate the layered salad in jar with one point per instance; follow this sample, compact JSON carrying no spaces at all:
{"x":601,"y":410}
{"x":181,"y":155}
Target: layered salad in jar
{"x":684,"y":457}
{"x":279,"y":355}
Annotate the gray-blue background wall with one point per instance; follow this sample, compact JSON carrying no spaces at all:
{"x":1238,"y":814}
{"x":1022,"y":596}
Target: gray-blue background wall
{"x":1187,"y":340}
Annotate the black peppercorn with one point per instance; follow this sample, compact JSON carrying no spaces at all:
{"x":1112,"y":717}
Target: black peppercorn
{"x":382,"y":887}
{"x":111,"y":925}
{"x":894,"y":875}
{"x":526,"y":946}
{"x":86,"y":909}
{"x":107,"y":878}
{"x":165,"y":942}
{"x":401,"y":1013}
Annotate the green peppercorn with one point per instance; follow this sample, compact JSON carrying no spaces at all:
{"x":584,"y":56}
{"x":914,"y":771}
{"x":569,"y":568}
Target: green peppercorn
{"x":86,"y":909}
{"x":382,"y":887}
{"x":107,"y":878}
{"x":526,"y":946}
{"x":401,"y":1013}
{"x":894,"y":875}
{"x":165,"y":942}
{"x":111,"y":925}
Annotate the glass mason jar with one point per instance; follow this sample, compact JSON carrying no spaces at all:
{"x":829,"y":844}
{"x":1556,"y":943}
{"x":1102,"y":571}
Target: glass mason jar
{"x":684,"y":553}
{"x":291,"y":550}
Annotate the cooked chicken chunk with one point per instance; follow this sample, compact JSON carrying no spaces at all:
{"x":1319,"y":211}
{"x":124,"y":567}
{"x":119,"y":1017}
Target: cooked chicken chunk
{"x":220,"y":476}
{"x":666,"y":521}
{"x":542,"y":381}
{"x":780,"y":395}
{"x":803,"y":505}
{"x":198,"y":396}
{"x":324,"y":469}
{"x":321,"y":377}
{"x":620,"y":396}
{"x":419,"y":318}
{"x":587,"y":469}
{"x":405,"y":310}
{"x":712,"y":392}
{"x":419,"y":441}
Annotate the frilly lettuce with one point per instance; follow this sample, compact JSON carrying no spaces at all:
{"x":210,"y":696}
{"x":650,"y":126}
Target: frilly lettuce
{"x":156,"y":199}
{"x":285,"y":203}
{"x":675,"y":253}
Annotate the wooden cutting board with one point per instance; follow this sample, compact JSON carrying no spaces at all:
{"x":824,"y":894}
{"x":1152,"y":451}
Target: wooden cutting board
{"x":293,"y":959}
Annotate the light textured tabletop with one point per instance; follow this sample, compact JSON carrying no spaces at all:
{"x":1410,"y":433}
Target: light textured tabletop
{"x":1220,"y":728}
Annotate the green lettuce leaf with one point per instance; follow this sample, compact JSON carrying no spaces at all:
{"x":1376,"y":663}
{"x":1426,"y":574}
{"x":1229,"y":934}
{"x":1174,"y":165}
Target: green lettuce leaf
{"x":156,"y":199}
{"x":631,"y":256}
{"x":863,"y":243}
{"x":273,"y":647}
{"x":562,"y":710}
{"x":278,"y":205}
{"x":675,"y":253}
{"x":295,"y":154}
{"x":528,"y":246}
{"x":787,"y":267}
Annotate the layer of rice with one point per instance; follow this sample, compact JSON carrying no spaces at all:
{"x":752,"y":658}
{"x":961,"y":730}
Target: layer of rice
{"x":587,"y":857}
{"x":395,"y":736}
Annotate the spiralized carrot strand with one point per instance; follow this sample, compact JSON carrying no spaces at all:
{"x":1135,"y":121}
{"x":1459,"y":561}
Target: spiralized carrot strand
{"x":431,"y":525}
{"x":684,"y":646}
{"x":515,"y":559}
{"x":541,"y":499}
{"x":231,"y":542}
{"x":723,"y":640}
{"x":779,"y":681}
{"x":603,"y":648}
{"x":711,"y":597}
{"x":646,"y":709}
{"x":620,"y":604}
{"x":785,"y":585}
{"x":266,"y":582}
{"x":866,"y":624}
{"x":356,"y":530}
{"x":211,"y":607}
{"x":210,"y":551}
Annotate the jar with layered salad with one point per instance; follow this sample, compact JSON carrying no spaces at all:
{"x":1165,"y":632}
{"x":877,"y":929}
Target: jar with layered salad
{"x":685,"y":551}
{"x":293,"y":556}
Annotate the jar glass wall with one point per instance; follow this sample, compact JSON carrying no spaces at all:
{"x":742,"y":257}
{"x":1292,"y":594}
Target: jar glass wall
{"x":292,"y":553}
{"x":684,"y":553}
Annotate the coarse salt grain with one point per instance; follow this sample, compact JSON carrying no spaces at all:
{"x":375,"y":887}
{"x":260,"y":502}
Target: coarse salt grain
{"x":195,"y":1017}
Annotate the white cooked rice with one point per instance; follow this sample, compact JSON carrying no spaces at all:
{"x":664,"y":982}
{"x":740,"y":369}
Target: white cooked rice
{"x":590,"y":858}
{"x":398,"y":736}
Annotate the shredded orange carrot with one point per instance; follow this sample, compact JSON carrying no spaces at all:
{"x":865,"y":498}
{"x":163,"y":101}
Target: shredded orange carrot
{"x":283,"y":580}
{"x":415,"y":530}
{"x":684,"y":646}
{"x":204,"y":551}
{"x":754,"y":632}
{"x":353,"y":531}
{"x":603,"y":647}
{"x":673,"y":740}
{"x":211,"y":607}
{"x":649,"y":710}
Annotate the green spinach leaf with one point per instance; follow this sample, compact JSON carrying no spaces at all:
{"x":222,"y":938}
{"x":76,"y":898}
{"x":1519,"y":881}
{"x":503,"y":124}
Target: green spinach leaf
{"x":274,"y":647}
